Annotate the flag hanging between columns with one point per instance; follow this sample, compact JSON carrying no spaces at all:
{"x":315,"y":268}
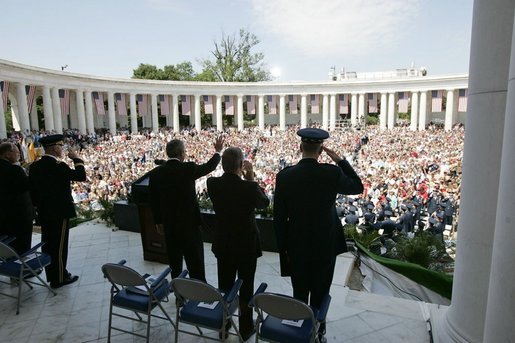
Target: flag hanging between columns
{"x":4,"y":89}
{"x":142,"y":104}
{"x":315,"y":109}
{"x":344,"y":103}
{"x":462,"y":100}
{"x":99,"y":102}
{"x":186,"y":108}
{"x":229,"y":105}
{"x":64,"y":99}
{"x":121,"y":105}
{"x":251,"y":105}
{"x":292,"y":103}
{"x":30,"y":92}
{"x":436,"y":101}
{"x":272,"y":106}
{"x":208,"y":104}
{"x":403,"y":102}
{"x":372,"y":103}
{"x":164,"y":103}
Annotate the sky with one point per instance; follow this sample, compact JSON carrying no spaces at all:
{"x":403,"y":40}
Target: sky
{"x":301,"y":39}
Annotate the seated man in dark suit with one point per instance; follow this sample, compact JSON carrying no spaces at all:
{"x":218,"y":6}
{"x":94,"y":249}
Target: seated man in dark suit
{"x":237,"y":242}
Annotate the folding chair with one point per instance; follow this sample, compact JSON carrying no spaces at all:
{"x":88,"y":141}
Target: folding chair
{"x":20,"y":267}
{"x":281,"y":318}
{"x":201,"y":305}
{"x":137,"y":293}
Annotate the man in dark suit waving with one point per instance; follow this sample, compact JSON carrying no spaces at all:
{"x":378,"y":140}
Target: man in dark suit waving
{"x":51,"y":194}
{"x":175,"y":208}
{"x":305,"y":220}
{"x":237,"y":242}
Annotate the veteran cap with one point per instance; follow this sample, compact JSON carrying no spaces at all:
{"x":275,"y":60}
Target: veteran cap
{"x":313,"y":135}
{"x":51,"y":140}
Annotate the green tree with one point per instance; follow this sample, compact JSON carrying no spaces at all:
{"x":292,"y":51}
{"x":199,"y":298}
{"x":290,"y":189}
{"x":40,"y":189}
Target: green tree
{"x":148,"y":72}
{"x":234,"y":60}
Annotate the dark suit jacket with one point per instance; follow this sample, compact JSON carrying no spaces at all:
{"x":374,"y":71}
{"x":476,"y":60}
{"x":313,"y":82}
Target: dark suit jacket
{"x":50,"y":187}
{"x":16,"y":211}
{"x":173,"y":198}
{"x":305,"y":219}
{"x":234,"y":202}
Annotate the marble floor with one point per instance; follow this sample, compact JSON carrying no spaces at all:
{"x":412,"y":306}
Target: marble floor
{"x":79,"y":312}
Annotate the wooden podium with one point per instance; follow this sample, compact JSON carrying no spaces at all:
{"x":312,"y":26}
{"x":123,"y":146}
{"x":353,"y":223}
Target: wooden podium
{"x":154,"y":244}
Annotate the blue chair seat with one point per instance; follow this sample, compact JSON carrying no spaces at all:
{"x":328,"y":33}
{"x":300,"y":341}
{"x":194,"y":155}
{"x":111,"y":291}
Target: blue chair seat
{"x":136,"y":301}
{"x":212,"y":318}
{"x":12,"y":269}
{"x":273,"y":329}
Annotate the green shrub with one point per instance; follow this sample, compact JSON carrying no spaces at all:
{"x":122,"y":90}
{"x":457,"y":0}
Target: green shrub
{"x":107,"y":213}
{"x":422,"y":249}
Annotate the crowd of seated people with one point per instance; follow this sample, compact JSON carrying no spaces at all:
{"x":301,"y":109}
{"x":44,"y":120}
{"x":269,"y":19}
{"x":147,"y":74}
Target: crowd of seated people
{"x":402,"y":170}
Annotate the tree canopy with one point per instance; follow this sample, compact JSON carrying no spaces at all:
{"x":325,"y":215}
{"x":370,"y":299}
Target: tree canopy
{"x":233,"y":60}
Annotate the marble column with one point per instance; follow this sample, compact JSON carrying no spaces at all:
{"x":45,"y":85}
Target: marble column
{"x":197,"y":121}
{"x":486,"y":163}
{"x":47,"y":109}
{"x":154,"y":113}
{"x":81,"y":116}
{"x":219,"y":114}
{"x":332,"y":112}
{"x":56,"y":106}
{"x":303,"y":111}
{"x":240,"y":112}
{"x":361,"y":107}
{"x":175,"y":113}
{"x":34,"y":123}
{"x":383,"y":111}
{"x":110,"y":113}
{"x":423,"y":111}
{"x":500,"y":311}
{"x":414,"y":111}
{"x":354,"y":109}
{"x":23,"y":112}
{"x":261,"y":112}
{"x":282,"y":112}
{"x":391,"y":110}
{"x":450,"y":110}
{"x":134,"y":113}
{"x":3,"y":127}
{"x":90,"y":123}
{"x":325,"y":111}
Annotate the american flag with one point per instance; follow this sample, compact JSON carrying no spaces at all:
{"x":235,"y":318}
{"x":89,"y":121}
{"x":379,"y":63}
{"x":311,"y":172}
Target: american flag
{"x":186,"y":108}
{"x":251,"y":105}
{"x":229,"y":105}
{"x":436,"y":101}
{"x":208,"y":104}
{"x":64,"y":99}
{"x":4,"y":88}
{"x":30,"y":91}
{"x":315,"y":108}
{"x":142,"y":104}
{"x":462,"y":100}
{"x":292,"y":103}
{"x":119,"y":98}
{"x":272,"y":106}
{"x":403,"y":102}
{"x":372,"y":103}
{"x":99,"y":102}
{"x":344,"y":103}
{"x":164,"y":102}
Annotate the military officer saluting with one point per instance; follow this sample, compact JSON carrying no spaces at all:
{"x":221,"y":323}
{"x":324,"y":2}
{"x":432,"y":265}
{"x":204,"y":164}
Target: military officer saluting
{"x":50,"y":190}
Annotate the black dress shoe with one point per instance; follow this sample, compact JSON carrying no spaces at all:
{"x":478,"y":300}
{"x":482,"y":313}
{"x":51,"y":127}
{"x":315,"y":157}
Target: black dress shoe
{"x":68,"y":280}
{"x":246,"y":335}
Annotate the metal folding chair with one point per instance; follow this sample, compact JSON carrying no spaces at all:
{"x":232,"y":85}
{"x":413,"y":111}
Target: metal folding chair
{"x":21,"y":267}
{"x":281,"y":318}
{"x":201,"y":305}
{"x":137,"y":293}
